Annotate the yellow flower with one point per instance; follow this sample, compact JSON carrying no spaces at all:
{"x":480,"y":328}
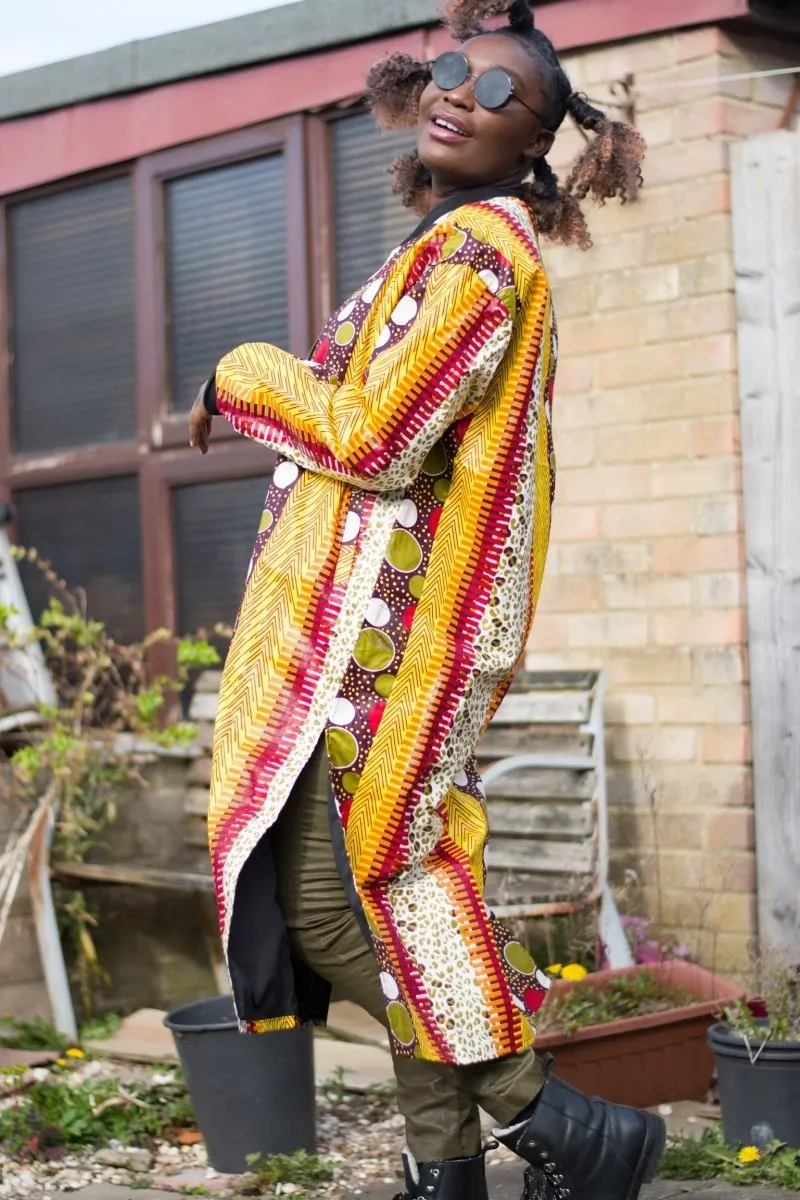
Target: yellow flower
{"x":75,"y":1053}
{"x":61,"y":1062}
{"x":749,"y":1154}
{"x":574,"y":972}
{"x":556,"y":969}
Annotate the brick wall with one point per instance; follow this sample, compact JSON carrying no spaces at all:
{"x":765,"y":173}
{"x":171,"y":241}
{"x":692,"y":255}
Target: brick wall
{"x":646,"y":572}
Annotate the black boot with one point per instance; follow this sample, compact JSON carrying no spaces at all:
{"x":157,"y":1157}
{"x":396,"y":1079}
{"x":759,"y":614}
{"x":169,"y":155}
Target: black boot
{"x":583,"y":1148}
{"x":452,"y":1179}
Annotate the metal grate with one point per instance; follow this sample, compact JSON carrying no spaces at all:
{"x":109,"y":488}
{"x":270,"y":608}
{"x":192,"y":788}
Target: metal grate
{"x":228,"y":267}
{"x":90,"y":532}
{"x":215,"y":523}
{"x":370,"y":221}
{"x":73,"y":318}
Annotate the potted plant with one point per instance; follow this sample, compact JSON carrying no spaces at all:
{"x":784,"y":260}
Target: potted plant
{"x":638,"y":1035}
{"x":757,"y":1048}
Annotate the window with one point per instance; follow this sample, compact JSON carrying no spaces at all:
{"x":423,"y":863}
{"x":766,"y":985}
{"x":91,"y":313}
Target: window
{"x":228,"y":265}
{"x":215,"y":523}
{"x":90,"y":533}
{"x":73,"y":322}
{"x":369,"y":221}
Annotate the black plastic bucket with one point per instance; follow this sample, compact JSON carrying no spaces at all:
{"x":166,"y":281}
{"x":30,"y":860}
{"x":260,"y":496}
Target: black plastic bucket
{"x":252,"y":1093}
{"x":760,"y":1099}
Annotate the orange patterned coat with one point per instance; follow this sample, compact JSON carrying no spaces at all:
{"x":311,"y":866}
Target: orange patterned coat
{"x":389,"y":600}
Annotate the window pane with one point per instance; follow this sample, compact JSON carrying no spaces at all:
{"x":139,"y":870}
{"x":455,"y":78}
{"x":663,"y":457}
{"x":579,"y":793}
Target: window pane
{"x":215,"y":523}
{"x":227,"y":267}
{"x":72,"y":297}
{"x":91,"y":534}
{"x":370,"y":221}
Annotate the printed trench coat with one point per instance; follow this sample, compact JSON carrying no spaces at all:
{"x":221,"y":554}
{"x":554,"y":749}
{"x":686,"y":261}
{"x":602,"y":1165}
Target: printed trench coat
{"x":389,"y":600}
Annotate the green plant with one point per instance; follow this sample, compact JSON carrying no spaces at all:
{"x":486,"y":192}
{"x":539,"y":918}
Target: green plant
{"x":301,"y":1168}
{"x":709,"y":1157}
{"x":333,"y":1086}
{"x":112,"y":709}
{"x":627,"y":996}
{"x":60,"y":1115}
{"x":776,"y":1015}
{"x":31,"y":1035}
{"x":100,"y":1028}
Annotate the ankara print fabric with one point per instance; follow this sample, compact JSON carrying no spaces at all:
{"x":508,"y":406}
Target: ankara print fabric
{"x":389,"y":601}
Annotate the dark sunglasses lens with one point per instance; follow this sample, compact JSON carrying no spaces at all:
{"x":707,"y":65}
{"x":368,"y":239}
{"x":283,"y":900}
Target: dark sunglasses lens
{"x":494,"y":89}
{"x":450,"y":70}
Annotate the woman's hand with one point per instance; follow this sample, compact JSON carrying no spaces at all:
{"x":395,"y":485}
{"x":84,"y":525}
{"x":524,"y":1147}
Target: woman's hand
{"x":199,"y":424}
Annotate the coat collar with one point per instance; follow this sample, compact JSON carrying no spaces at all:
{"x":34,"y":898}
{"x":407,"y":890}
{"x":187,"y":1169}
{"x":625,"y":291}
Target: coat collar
{"x":467,"y":196}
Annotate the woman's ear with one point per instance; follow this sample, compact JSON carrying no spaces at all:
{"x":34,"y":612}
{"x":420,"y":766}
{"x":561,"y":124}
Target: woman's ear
{"x":540,"y":144}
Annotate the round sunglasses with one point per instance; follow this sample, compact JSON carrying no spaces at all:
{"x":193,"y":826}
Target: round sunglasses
{"x":494,"y":89}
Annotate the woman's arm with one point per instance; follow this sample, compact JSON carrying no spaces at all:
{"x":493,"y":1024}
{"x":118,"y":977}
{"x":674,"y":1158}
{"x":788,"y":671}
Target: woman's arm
{"x":377,"y":434}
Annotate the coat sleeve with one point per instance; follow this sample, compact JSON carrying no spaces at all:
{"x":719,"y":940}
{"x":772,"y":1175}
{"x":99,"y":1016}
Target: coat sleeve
{"x":428,"y":367}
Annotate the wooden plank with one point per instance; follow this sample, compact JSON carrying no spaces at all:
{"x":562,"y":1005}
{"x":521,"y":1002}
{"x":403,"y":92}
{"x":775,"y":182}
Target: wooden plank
{"x":128,"y":873}
{"x":539,"y":820}
{"x":538,"y":784}
{"x":511,"y":887}
{"x":547,"y":708}
{"x":553,"y":681}
{"x":501,"y":741}
{"x":557,"y":858}
{"x":204,"y":706}
{"x":766,"y":196}
{"x":196,"y":804}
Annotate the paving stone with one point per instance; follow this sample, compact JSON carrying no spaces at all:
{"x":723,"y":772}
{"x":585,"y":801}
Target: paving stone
{"x":362,"y":1067}
{"x":140,"y":1038}
{"x":350,"y":1023}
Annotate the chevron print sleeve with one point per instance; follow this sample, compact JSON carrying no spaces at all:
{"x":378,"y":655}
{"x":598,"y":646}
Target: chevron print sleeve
{"x":416,"y":349}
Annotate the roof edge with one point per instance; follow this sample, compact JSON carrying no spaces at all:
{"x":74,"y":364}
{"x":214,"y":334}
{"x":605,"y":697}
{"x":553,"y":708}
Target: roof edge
{"x":276,"y":33}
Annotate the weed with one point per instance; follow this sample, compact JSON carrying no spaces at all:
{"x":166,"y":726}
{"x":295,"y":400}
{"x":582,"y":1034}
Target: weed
{"x":55,"y":1115}
{"x":100,"y":1028}
{"x":628,"y":996}
{"x":302,"y":1169}
{"x":709,"y":1157}
{"x":31,"y":1035}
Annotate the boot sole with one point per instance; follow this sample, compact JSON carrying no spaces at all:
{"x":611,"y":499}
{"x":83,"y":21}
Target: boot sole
{"x":652,"y":1153}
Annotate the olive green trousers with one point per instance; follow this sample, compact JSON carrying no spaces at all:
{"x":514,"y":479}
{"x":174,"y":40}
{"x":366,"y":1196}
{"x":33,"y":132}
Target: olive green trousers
{"x":440,"y":1103}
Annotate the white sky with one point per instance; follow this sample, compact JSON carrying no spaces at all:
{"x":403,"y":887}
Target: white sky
{"x":33,"y":32}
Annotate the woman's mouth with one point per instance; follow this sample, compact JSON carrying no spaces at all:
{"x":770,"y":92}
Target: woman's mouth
{"x":448,"y":129}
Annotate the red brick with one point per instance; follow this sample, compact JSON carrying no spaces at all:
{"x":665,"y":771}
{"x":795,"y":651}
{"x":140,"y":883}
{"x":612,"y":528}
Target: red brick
{"x":575,"y":523}
{"x":607,"y":629}
{"x":673,"y":555}
{"x":704,"y":196}
{"x":593,"y":485}
{"x":727,"y":744}
{"x":653,"y":518}
{"x":650,"y":666}
{"x":721,"y":628}
{"x":575,"y":449}
{"x":549,"y":632}
{"x":733,"y":830}
{"x":709,"y":706}
{"x":702,"y":42}
{"x":649,"y":443}
{"x":715,"y":435}
{"x":696,"y":478}
{"x":603,"y":558}
{"x":571,"y":593}
{"x":633,"y":744}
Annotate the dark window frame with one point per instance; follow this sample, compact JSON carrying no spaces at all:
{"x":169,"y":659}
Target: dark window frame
{"x":160,"y":455}
{"x":159,"y":426}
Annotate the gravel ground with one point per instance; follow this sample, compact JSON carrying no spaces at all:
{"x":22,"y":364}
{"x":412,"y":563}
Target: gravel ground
{"x":361,"y":1135}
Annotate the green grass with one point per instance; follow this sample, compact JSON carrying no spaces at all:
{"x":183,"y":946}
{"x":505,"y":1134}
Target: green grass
{"x":302,"y":1169}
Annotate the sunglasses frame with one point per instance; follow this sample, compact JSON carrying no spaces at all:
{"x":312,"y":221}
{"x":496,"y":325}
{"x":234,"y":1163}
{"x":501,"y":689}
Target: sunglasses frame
{"x":512,"y":87}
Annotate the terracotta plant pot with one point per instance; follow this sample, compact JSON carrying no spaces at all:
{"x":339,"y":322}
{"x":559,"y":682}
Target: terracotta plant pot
{"x":648,"y":1060}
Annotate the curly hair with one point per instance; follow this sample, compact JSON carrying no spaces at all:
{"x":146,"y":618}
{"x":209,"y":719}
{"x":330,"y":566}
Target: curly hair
{"x":609,"y":168}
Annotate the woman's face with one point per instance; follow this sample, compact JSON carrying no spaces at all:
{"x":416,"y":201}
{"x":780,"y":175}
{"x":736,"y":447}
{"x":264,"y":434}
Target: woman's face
{"x":489,"y":146}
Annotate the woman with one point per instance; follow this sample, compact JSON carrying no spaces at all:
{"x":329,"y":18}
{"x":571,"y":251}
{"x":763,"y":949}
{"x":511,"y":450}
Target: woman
{"x":389,"y":601}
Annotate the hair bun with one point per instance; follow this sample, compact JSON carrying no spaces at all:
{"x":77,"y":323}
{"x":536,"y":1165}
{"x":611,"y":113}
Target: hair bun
{"x":520,"y":17}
